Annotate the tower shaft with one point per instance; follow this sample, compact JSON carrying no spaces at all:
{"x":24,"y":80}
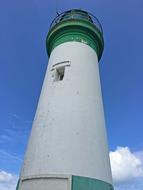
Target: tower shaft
{"x":68,"y":148}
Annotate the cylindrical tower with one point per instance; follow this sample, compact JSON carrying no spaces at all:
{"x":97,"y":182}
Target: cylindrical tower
{"x":68,"y":148}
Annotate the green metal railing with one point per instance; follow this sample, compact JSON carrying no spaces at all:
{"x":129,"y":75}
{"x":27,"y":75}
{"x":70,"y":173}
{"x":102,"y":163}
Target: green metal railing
{"x":77,"y":14}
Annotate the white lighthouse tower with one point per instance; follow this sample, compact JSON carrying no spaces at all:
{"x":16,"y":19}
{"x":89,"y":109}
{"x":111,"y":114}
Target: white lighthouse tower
{"x":67,"y":149}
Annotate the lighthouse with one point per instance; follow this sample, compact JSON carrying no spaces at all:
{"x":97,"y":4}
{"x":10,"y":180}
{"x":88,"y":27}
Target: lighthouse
{"x":68,"y":147}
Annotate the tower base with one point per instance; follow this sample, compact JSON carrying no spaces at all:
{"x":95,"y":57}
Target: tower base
{"x":62,"y":182}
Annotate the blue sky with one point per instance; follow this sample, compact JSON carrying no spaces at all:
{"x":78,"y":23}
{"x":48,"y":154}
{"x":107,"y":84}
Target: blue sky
{"x":23,"y":61}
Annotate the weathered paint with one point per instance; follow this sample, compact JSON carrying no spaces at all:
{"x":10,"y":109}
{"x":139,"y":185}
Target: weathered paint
{"x":68,"y":135}
{"x":46,"y":182}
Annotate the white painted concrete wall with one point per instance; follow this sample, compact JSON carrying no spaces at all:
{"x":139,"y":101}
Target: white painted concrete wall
{"x":68,"y":134}
{"x":46,"y":183}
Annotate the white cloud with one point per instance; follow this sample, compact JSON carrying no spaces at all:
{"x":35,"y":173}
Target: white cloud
{"x":125,"y":165}
{"x":8,"y":181}
{"x":5,"y":177}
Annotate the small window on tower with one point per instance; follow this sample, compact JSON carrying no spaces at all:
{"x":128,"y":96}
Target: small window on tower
{"x":59,"y":73}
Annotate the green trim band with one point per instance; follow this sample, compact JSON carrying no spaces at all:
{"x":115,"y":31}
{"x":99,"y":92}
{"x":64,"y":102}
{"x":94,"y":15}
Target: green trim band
{"x":85,"y":183}
{"x":17,"y":186}
{"x":75,"y":30}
